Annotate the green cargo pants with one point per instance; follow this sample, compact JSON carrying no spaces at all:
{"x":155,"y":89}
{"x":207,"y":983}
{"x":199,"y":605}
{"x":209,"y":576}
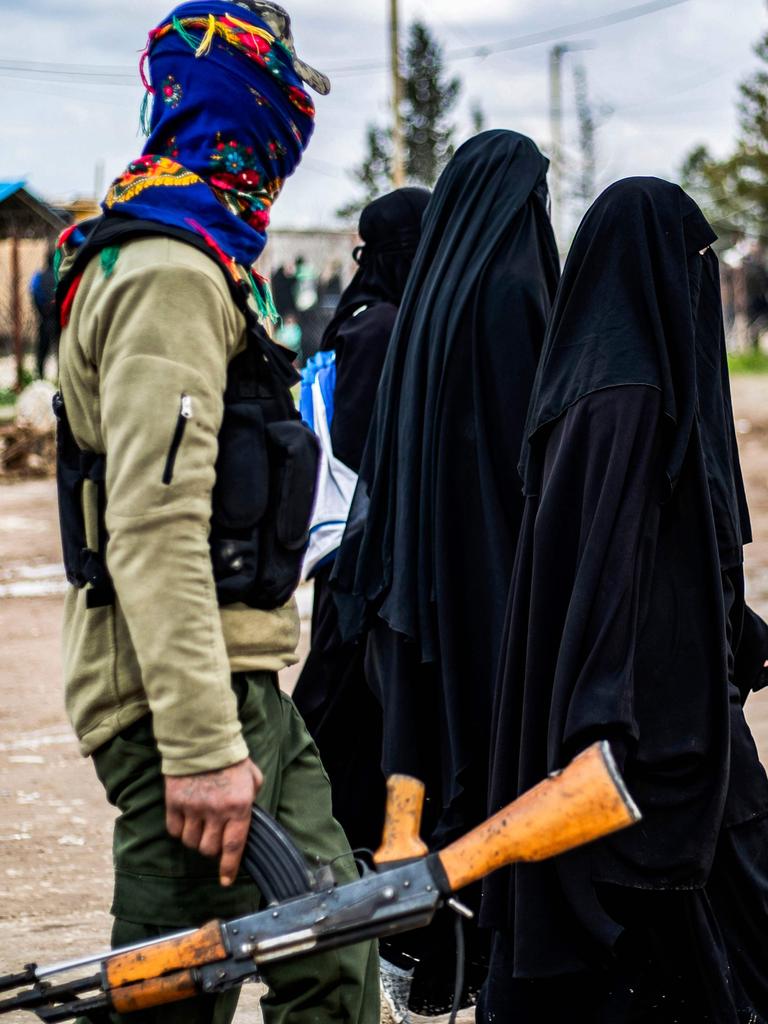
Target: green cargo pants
{"x":160,"y":885}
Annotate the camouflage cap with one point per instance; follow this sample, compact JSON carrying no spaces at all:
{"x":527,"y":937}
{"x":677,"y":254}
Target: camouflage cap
{"x":279,"y":21}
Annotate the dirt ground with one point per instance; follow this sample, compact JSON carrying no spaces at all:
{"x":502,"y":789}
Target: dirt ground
{"x":55,"y":826}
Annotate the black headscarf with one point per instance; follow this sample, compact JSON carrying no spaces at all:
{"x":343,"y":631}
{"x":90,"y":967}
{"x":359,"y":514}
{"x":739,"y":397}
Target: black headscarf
{"x":390,"y":228}
{"x":486,"y":267}
{"x":627,"y":312}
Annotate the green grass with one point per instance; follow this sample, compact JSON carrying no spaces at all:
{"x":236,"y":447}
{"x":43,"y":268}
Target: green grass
{"x":754,"y":361}
{"x":8,"y":396}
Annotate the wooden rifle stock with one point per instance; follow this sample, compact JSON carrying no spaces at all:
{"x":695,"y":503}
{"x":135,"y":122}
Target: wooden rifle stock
{"x":405,"y":801}
{"x":583,"y":802}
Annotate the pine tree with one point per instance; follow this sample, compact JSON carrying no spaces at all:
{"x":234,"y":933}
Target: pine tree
{"x":477,"y":116}
{"x":709,"y":182}
{"x":733,"y":193}
{"x":374,"y":173}
{"x":428,"y":99}
{"x":748,"y":168}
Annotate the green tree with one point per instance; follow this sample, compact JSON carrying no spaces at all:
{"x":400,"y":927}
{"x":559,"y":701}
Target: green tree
{"x":477,"y":116}
{"x":734,"y":192}
{"x":710,"y":183}
{"x":429,"y":100}
{"x":374,"y":172}
{"x":429,"y":97}
{"x":748,"y":167}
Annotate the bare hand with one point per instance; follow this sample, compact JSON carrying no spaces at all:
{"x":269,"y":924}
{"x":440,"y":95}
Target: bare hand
{"x":211,"y":812}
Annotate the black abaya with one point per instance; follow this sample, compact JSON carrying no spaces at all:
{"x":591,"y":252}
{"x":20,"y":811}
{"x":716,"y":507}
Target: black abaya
{"x":344,"y":719}
{"x":341,"y":713}
{"x":430,"y":542}
{"x":424,"y":567}
{"x":627,"y":621}
{"x":343,"y":716}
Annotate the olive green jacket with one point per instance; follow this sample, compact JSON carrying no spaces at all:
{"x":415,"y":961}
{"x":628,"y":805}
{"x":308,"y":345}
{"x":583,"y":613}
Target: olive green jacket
{"x":159,"y":325}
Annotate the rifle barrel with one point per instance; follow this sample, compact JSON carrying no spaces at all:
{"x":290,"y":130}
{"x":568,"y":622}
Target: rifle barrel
{"x":74,"y":1010}
{"x":26,"y":977}
{"x":73,"y":965}
{"x":43,"y":995}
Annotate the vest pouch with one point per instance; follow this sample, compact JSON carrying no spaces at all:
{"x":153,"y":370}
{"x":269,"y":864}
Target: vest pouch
{"x":294,"y":456}
{"x":74,"y":466}
{"x":239,"y":501}
{"x":241,"y":492}
{"x":69,"y":485}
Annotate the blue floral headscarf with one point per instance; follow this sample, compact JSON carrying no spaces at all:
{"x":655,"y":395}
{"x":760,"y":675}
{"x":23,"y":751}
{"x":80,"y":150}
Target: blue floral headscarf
{"x":229,"y":122}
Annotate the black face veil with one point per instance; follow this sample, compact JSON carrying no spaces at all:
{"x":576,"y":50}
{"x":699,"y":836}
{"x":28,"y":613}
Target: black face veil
{"x":489,"y":208}
{"x":390,"y":229}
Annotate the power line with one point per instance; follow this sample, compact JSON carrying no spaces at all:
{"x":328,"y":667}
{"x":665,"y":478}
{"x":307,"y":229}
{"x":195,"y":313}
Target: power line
{"x":123,"y":75}
{"x":324,"y":167}
{"x":574,"y":28}
{"x":531,"y":38}
{"x":104,"y":73}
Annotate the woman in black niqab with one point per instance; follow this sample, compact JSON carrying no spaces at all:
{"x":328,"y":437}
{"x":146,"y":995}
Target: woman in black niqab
{"x":424,"y":567}
{"x":341,"y":713}
{"x":390,"y":229}
{"x":627,"y":621}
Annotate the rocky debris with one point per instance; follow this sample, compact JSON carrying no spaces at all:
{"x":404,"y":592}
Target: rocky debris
{"x":28,"y":444}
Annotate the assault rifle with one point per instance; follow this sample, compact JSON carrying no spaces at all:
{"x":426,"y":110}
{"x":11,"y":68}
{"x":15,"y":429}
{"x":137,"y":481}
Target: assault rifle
{"x":307,"y":913}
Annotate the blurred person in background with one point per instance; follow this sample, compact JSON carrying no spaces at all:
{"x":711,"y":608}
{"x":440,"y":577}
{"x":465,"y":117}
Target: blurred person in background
{"x":305,"y":284}
{"x":42,"y":288}
{"x":175,"y":415}
{"x":288,"y":334}
{"x":331,"y":287}
{"x":424,"y":568}
{"x":306,"y":302}
{"x":283,"y":284}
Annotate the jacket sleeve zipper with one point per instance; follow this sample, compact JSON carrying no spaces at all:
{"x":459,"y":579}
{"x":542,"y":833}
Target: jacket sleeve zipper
{"x":185,"y":413}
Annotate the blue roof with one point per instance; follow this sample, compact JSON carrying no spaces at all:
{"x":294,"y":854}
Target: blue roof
{"x":8,"y":188}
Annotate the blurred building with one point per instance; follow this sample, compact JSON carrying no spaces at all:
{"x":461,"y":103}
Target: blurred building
{"x":83,"y":208}
{"x":28,"y":229}
{"x":321,"y":247}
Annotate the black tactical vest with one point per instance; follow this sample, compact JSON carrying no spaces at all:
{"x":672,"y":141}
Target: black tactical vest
{"x":266,"y":470}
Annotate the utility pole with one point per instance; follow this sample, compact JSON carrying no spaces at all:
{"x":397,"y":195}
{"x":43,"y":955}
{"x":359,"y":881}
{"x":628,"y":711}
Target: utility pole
{"x":586,"y":119}
{"x":556,"y":137}
{"x":557,"y":164}
{"x":98,"y":181}
{"x":398,"y":146}
{"x":16,"y":326}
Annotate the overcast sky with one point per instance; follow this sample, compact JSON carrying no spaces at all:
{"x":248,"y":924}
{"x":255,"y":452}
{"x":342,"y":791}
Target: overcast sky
{"x":669,"y":78}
